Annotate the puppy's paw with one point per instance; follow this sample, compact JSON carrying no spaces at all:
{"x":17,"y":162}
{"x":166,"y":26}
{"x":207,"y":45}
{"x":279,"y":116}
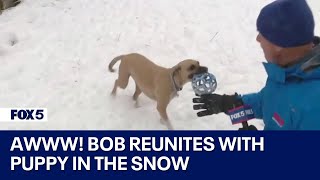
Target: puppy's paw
{"x":162,"y":121}
{"x":170,"y":127}
{"x":137,"y":105}
{"x":113,"y":94}
{"x":167,"y":124}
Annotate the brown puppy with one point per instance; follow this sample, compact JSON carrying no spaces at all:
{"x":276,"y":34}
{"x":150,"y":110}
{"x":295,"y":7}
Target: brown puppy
{"x":156,"y":82}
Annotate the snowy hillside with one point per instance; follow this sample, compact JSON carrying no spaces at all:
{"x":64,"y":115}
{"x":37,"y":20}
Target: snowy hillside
{"x":54,"y":54}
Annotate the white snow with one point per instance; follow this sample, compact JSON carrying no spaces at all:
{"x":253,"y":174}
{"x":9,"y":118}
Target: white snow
{"x":54,"y":54}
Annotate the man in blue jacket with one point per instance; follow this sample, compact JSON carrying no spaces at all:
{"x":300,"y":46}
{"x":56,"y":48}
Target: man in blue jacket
{"x":290,"y":99}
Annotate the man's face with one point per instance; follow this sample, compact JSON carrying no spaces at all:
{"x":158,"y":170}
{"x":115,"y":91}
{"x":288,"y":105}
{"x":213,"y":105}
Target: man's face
{"x":271,"y":51}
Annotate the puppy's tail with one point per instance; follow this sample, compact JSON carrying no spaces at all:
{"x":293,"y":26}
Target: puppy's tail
{"x":114,"y":61}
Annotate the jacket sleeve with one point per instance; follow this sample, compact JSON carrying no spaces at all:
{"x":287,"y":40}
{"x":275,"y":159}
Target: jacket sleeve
{"x":254,"y":100}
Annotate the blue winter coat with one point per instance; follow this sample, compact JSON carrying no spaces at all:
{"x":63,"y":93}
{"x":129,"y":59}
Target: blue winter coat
{"x":290,"y":99}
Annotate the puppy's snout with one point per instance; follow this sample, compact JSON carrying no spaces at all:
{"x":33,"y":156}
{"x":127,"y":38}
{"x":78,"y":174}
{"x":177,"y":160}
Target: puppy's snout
{"x":202,"y":69}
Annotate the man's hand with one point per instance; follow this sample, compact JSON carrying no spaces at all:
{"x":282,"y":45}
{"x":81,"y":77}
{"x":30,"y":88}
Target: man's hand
{"x":215,"y":104}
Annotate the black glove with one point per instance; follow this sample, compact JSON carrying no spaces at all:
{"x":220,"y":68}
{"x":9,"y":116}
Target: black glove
{"x":215,"y":103}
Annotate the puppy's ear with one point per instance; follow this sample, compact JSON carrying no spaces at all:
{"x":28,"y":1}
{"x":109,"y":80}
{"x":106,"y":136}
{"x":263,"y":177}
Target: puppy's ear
{"x":176,"y":69}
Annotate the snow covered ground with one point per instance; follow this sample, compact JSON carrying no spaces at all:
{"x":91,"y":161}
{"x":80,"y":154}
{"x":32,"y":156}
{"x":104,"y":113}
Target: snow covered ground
{"x":54,"y":54}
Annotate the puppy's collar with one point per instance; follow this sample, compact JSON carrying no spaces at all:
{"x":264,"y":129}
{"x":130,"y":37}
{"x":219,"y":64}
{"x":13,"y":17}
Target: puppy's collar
{"x":175,"y":85}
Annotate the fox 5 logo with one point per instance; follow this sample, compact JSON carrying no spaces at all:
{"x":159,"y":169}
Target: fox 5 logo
{"x":23,"y":114}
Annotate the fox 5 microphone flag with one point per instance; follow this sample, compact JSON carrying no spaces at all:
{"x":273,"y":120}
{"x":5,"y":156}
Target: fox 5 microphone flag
{"x":241,"y":114}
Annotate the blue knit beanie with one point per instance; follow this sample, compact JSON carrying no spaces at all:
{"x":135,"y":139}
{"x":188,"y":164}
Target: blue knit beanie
{"x":287,"y":23}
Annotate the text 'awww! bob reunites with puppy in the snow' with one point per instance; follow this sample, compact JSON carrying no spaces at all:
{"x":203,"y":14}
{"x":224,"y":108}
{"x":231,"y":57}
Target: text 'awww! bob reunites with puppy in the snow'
{"x":121,"y":147}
